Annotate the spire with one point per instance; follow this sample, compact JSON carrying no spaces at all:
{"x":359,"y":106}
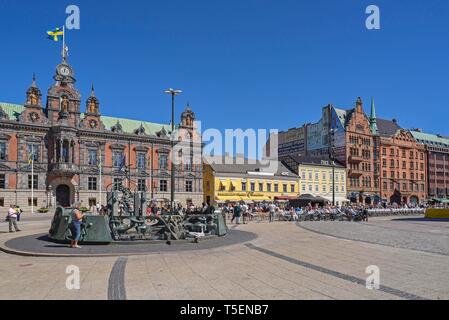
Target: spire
{"x":373,"y":118}
{"x":92,"y":91}
{"x":33,"y":83}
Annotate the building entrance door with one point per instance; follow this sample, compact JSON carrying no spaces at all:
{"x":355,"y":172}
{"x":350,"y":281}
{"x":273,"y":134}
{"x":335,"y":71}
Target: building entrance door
{"x":63,"y":195}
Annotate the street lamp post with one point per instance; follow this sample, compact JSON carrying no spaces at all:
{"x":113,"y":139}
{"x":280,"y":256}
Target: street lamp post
{"x":332,"y":156}
{"x":173,"y":94}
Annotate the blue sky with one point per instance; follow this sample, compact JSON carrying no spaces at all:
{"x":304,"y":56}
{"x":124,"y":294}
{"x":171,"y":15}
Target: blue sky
{"x":241,"y":64}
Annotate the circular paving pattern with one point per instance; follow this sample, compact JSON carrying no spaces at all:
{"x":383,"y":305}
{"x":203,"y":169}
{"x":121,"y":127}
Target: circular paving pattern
{"x":408,"y":233}
{"x":40,"y":245}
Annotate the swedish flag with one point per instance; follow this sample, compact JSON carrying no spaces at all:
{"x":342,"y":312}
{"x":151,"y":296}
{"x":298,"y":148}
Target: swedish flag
{"x":55,"y":34}
{"x":31,"y":158}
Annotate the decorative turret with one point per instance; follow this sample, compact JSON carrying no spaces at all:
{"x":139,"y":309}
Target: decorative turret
{"x":92,"y":103}
{"x":187,"y":117}
{"x":34,"y":95}
{"x":373,"y":119}
{"x":92,"y":117}
{"x":33,"y":106}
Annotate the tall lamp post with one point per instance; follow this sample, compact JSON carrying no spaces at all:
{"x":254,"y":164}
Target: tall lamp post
{"x":173,"y":94}
{"x":332,"y":158}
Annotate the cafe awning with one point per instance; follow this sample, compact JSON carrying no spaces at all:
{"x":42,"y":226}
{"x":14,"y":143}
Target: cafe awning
{"x":337,"y":199}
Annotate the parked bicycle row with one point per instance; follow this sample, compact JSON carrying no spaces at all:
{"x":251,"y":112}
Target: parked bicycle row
{"x":271,"y":212}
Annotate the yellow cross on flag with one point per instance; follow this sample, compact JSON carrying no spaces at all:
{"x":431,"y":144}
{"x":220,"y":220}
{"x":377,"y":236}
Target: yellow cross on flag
{"x":55,"y":34}
{"x":31,"y":158}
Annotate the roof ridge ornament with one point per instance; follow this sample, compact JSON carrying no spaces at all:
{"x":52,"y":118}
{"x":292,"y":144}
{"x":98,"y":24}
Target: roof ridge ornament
{"x":3,"y":114}
{"x":141,"y":130}
{"x":117,"y":127}
{"x":162,"y":132}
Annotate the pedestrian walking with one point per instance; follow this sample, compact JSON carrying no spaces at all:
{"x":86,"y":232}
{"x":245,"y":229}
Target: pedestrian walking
{"x":18,"y":212}
{"x":12,"y":218}
{"x":237,"y":213}
{"x":232,"y":208}
{"x":272,"y":210}
{"x":244,"y":212}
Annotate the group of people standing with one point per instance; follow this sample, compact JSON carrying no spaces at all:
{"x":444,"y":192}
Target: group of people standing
{"x":242,"y":211}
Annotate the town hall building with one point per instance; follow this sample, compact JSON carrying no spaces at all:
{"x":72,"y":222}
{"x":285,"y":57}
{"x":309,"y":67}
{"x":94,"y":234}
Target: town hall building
{"x":79,"y":155}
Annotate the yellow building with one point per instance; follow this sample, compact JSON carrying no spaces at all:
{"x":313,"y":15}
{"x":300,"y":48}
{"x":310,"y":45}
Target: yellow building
{"x":315,"y":177}
{"x":226,"y":179}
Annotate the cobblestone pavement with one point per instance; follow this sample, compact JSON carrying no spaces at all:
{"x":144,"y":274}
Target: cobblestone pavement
{"x":284,"y":262}
{"x":26,"y":219}
{"x":413,"y":233}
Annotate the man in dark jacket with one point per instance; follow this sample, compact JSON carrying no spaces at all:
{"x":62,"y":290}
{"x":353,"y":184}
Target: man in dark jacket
{"x":237,"y":213}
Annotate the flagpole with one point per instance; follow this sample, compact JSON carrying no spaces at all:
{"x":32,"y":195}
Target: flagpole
{"x":63,"y":42}
{"x":100,"y":179}
{"x":32,"y":182}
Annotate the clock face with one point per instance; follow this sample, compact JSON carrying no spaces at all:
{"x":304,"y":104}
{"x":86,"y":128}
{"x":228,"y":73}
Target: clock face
{"x":64,"y":70}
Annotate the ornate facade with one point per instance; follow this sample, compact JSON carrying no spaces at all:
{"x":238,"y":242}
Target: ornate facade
{"x":347,"y":134}
{"x":360,"y":155}
{"x":437,"y":158}
{"x":401,"y":164}
{"x":384,"y":161}
{"x":70,"y":148}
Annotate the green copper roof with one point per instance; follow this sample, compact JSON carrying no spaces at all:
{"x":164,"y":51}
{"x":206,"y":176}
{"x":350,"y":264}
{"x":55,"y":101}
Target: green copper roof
{"x":128,"y":125}
{"x":430,"y":139}
{"x":12,"y":110}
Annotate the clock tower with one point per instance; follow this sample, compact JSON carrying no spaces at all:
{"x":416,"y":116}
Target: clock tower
{"x":63,"y":99}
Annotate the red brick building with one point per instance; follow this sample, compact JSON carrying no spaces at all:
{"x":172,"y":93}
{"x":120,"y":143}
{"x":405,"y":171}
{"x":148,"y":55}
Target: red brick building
{"x":437,"y":152}
{"x":360,"y":155}
{"x":377,"y":153}
{"x":401,"y":164}
{"x":70,"y":147}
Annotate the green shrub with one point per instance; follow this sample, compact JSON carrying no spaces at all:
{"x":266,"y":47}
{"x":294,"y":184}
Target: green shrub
{"x":43,"y":210}
{"x":84,"y":209}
